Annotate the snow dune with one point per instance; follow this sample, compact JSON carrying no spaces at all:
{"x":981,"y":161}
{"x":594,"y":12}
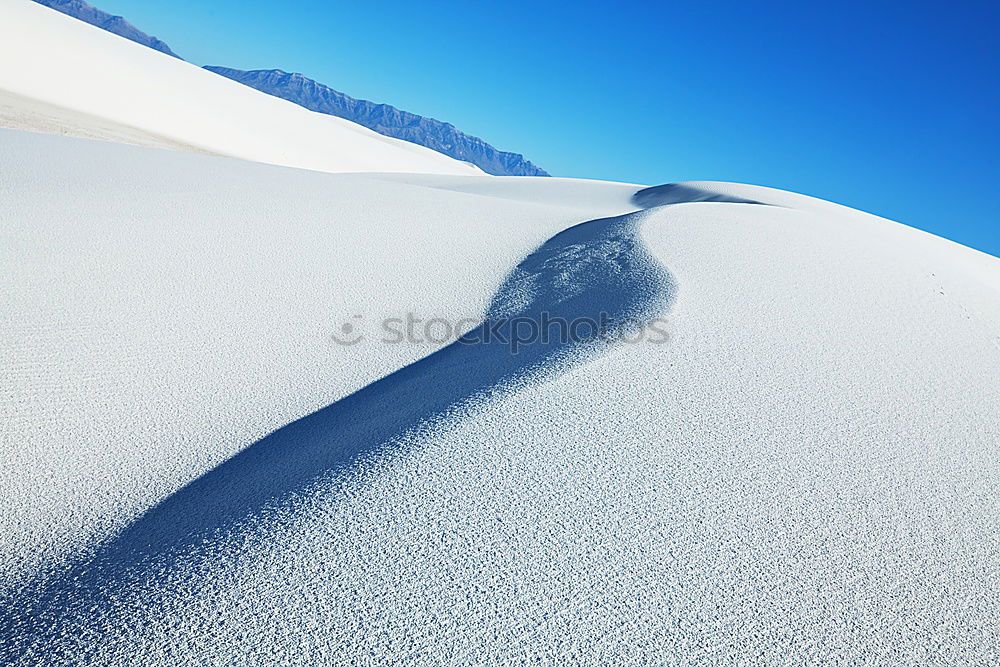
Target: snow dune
{"x":196,"y":473}
{"x":785,"y":448}
{"x":64,"y":76}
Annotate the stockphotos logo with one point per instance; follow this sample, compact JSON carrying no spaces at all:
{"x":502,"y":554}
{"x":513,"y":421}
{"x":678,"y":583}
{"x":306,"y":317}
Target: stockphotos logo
{"x":513,"y":332}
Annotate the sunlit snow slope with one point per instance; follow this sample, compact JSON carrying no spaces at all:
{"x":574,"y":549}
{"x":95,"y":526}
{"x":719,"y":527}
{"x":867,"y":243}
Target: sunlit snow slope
{"x":63,"y":76}
{"x":195,"y":472}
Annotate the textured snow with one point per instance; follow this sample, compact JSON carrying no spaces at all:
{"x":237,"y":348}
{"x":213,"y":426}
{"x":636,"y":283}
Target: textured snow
{"x":91,"y":83}
{"x":805,"y":472}
{"x":195,"y":472}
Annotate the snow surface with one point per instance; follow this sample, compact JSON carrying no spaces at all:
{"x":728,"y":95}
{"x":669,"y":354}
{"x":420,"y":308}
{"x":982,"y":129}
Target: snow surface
{"x":83,"y":81}
{"x":195,"y":473}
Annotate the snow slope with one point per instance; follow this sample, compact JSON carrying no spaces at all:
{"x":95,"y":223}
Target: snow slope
{"x":86,"y":82}
{"x":196,"y":473}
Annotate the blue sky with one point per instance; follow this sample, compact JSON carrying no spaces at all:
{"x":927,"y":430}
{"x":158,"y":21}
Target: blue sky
{"x":891,"y":107}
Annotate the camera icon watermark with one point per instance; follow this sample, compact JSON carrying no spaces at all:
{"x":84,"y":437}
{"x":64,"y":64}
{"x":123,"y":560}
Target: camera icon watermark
{"x":350,"y":332}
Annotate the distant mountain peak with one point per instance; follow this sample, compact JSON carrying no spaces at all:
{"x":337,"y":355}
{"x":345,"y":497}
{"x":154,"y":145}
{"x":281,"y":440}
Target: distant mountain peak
{"x":117,"y":25}
{"x":384,"y":119}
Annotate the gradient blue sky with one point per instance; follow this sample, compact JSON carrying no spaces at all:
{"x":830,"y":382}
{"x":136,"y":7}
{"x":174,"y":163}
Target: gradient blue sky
{"x":891,"y":107}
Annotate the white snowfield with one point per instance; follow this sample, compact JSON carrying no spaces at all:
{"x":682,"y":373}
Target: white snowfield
{"x":61,"y":75}
{"x":785,"y":449}
{"x":805,"y":471}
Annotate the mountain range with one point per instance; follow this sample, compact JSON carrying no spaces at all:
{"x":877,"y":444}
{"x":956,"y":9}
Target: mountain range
{"x":105,"y":21}
{"x":384,"y":119}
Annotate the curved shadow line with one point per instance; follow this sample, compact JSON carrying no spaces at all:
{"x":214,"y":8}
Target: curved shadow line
{"x":677,"y":193}
{"x":594,"y":269}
